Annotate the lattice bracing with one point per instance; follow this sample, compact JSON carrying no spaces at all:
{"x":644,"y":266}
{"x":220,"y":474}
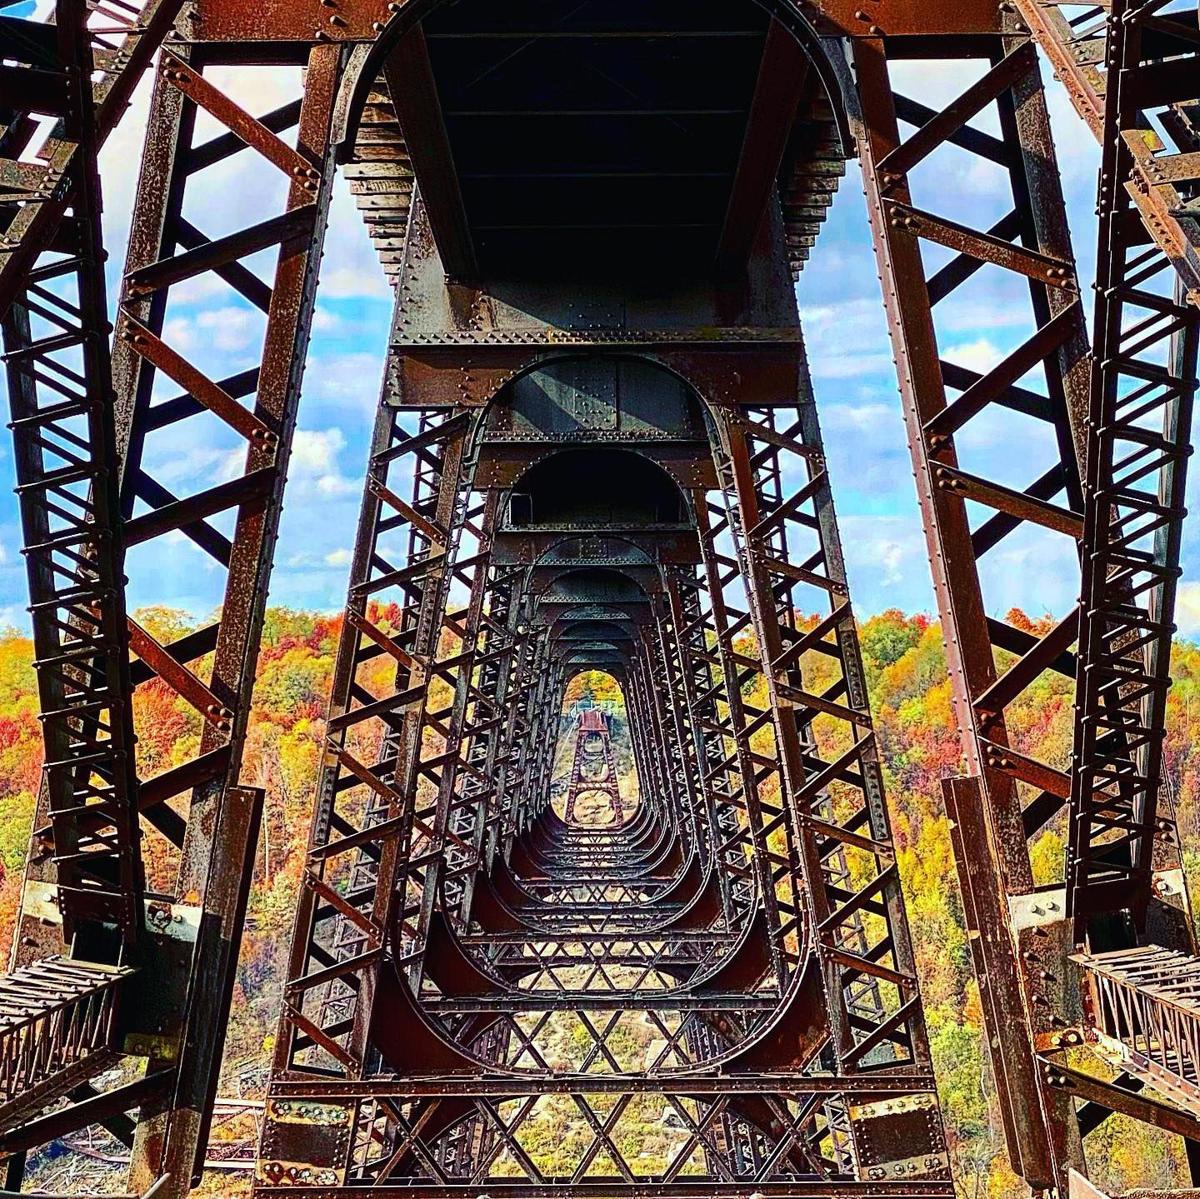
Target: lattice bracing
{"x":597,"y":455}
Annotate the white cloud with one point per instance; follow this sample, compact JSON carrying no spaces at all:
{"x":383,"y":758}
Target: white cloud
{"x":259,"y":90}
{"x":348,"y":282}
{"x":350,"y":268}
{"x":349,"y":380}
{"x":325,"y":321}
{"x":229,"y":329}
{"x":970,"y":315}
{"x":334,"y":484}
{"x":13,"y":616}
{"x":887,"y":562}
{"x":938,"y":81}
{"x":338,"y":557}
{"x":180,"y":467}
{"x":315,"y":454}
{"x":316,"y":451}
{"x":979,"y":355}
{"x":859,"y":418}
{"x":198,"y":288}
{"x":1187,"y":609}
{"x":847,"y":339}
{"x":850,"y":366}
{"x":890,"y":557}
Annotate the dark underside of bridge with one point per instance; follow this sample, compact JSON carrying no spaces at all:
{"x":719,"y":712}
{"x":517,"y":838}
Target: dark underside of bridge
{"x":635,"y":142}
{"x":603,"y":136}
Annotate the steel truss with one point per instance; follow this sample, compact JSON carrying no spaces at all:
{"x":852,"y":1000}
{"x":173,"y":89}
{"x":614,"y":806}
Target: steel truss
{"x":1123,"y":858}
{"x":195,"y":825}
{"x":598,"y":925}
{"x":594,"y":768}
{"x":452,"y":932}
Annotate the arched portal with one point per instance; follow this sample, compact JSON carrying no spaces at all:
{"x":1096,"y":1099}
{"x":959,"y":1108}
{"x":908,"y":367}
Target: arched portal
{"x":638,"y":498}
{"x":596,"y":783}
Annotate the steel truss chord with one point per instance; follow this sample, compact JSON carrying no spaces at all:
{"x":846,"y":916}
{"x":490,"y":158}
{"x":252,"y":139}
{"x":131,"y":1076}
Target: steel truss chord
{"x":85,"y":876}
{"x":1144,"y":378}
{"x":585,"y":780}
{"x":719,"y":779}
{"x":689,"y":743}
{"x":464,"y":788}
{"x":1153,"y":47}
{"x":789,"y":551}
{"x":81,"y":69}
{"x":749,"y":768}
{"x":379,"y":813}
{"x":671,"y":782}
{"x":1020,"y":939}
{"x":61,"y":401}
{"x":208,"y":857}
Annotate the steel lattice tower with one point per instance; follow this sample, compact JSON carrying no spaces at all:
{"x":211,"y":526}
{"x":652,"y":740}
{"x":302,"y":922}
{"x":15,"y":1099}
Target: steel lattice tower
{"x":597,"y":448}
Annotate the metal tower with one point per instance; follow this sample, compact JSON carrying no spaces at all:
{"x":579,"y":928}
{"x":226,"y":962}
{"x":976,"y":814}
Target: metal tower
{"x":597,"y":447}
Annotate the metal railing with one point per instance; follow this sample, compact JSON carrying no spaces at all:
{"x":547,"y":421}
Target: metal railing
{"x":57,"y":1024}
{"x":1146,"y":1008}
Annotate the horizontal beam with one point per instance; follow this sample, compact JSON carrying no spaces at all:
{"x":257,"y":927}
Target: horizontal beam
{"x":638,"y":1189}
{"x":863,"y":1088}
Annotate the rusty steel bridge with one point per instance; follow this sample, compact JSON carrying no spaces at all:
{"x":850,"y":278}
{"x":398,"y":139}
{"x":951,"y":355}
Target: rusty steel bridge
{"x":592,"y":216}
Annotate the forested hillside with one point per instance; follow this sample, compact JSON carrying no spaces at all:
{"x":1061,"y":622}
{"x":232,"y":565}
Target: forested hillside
{"x":912,"y":700}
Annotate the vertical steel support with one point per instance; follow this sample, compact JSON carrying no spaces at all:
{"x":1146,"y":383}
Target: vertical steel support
{"x":1029,"y":245}
{"x":1139,"y":440}
{"x":166,"y":250}
{"x":61,"y":400}
{"x":789,"y":551}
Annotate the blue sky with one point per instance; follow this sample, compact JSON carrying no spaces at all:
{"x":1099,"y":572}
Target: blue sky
{"x":848,"y":349}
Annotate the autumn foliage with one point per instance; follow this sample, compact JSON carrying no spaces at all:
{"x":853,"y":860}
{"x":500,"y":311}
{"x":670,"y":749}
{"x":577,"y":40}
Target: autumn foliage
{"x":912,"y":698}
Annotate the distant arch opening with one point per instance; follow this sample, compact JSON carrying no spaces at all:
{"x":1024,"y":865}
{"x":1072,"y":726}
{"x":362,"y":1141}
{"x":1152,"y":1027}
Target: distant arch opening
{"x":595,"y":779}
{"x":596,"y":487}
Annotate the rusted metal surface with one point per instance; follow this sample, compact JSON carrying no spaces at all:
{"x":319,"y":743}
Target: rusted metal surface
{"x":1153,"y":157}
{"x":1122,"y":859}
{"x":994,"y":869}
{"x":1144,"y":378}
{"x":1146,"y":1010}
{"x":380,"y":175}
{"x":112,"y":49}
{"x":482,"y":590}
{"x":447,"y":917}
{"x":57,"y":1027}
{"x":594,"y":770}
{"x":185,"y":1002}
{"x":366,"y":20}
{"x":166,"y":250}
{"x":55,"y":328}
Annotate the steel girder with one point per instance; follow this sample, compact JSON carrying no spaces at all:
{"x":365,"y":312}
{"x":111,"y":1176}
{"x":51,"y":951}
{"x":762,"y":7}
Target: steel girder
{"x":64,"y":428}
{"x":1130,"y":70}
{"x":197,"y":856}
{"x":695,"y":916}
{"x":1123,"y":871}
{"x":1123,"y":875}
{"x":1147,"y":330}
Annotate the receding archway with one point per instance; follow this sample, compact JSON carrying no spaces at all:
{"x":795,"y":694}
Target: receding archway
{"x":596,"y":783}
